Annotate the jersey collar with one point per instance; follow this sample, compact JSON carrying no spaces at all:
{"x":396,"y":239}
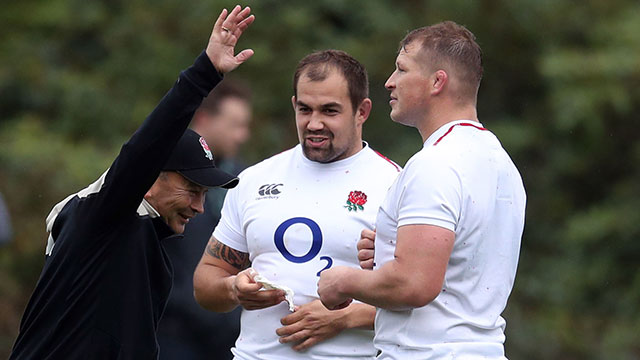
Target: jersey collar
{"x":444,"y":130}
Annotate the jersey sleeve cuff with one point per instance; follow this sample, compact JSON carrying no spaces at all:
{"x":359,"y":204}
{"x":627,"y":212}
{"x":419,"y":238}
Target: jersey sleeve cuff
{"x":427,"y":221}
{"x":222,"y":235}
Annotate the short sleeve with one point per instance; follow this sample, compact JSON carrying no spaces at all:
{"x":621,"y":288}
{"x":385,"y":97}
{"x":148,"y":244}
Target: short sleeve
{"x":229,"y":229}
{"x":431,"y":193}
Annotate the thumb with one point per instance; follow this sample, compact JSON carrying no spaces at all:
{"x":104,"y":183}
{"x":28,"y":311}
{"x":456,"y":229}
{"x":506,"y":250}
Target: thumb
{"x":251,"y":273}
{"x":244,"y":55}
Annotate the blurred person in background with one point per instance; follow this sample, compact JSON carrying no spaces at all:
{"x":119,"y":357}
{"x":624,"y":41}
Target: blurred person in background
{"x":187,"y":331}
{"x":106,"y":276}
{"x":296,"y":214}
{"x":448,"y":233}
{"x":5,"y":223}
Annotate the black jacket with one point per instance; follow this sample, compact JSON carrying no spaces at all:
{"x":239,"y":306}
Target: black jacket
{"x":107,"y":277}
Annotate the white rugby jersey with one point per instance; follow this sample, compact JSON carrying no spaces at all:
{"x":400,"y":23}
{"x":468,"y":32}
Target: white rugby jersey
{"x":464,"y":181}
{"x":294,"y":218}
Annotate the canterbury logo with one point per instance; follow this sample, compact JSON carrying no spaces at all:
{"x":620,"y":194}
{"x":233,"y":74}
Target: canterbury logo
{"x":269,"y":189}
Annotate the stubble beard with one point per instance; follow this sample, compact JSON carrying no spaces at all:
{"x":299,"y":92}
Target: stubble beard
{"x":323,"y":155}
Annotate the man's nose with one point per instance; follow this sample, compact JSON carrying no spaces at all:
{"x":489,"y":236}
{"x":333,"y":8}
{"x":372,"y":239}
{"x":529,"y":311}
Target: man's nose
{"x":390,"y":83}
{"x":197,"y":204}
{"x":315,"y":122}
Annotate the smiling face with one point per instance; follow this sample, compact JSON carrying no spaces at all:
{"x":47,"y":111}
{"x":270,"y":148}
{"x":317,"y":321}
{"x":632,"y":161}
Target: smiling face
{"x":328,"y":127}
{"x":409,"y":87}
{"x":176,"y":199}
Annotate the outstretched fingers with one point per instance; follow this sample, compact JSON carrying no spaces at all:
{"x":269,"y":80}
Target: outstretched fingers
{"x":243,"y":25}
{"x":218,"y":24}
{"x":238,"y":20}
{"x":228,"y":28}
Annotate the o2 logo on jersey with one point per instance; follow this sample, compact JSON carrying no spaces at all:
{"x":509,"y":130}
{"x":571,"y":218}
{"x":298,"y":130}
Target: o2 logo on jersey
{"x":316,"y":242}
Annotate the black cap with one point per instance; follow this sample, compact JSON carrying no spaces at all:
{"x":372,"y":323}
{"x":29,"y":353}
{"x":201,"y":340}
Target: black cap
{"x":193,"y":159}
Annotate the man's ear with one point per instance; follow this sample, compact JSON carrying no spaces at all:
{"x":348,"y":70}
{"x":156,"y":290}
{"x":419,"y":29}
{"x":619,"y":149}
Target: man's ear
{"x":293,"y":102}
{"x":439,"y":80}
{"x":363,"y":111}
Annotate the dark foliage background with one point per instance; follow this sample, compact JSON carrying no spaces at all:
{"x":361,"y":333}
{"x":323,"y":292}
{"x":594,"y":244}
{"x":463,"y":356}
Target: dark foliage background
{"x":561,"y":90}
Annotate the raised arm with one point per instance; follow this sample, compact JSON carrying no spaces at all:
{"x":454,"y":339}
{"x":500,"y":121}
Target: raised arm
{"x":141,"y":159}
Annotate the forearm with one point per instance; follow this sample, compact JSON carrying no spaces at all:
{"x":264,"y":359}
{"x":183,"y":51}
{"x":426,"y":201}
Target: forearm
{"x":412,"y":279}
{"x":389,"y":287}
{"x":213,"y":288}
{"x":141,"y":159}
{"x":359,"y":315}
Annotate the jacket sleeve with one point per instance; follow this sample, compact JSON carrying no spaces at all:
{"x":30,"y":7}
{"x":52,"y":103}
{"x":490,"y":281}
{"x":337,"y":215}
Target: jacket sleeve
{"x":142,"y":158}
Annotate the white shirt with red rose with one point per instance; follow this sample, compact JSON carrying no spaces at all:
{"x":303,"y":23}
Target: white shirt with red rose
{"x":296,"y":217}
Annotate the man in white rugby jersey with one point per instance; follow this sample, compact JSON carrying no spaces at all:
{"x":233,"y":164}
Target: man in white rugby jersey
{"x":296,"y":214}
{"x":448,"y":233}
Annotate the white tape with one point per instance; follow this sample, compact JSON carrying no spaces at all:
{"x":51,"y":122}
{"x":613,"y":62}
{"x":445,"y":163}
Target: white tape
{"x":268,"y":285}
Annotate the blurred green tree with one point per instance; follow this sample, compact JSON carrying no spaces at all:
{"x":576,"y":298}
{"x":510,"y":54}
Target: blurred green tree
{"x":561,"y":90}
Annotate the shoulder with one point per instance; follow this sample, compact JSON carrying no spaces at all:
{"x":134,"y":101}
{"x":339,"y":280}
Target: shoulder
{"x":381,"y":162}
{"x":461,"y":144}
{"x":282,"y":159}
{"x":465,"y":138}
{"x":266,"y":171}
{"x":432,"y":165}
{"x":464,"y":152}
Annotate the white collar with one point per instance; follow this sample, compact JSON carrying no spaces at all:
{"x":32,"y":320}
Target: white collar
{"x":146,"y":209}
{"x":444,"y":129}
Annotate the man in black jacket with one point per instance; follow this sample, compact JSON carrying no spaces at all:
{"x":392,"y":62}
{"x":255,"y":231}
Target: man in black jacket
{"x":106,"y":277}
{"x":188,"y":331}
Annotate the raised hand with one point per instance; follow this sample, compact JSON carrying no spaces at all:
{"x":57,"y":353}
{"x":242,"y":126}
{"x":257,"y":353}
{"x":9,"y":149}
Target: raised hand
{"x":224,"y":37}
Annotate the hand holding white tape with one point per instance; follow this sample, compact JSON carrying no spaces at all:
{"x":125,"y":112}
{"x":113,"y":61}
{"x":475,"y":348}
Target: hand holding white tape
{"x":269,"y":285}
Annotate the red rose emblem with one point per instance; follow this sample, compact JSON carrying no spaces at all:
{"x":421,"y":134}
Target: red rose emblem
{"x":356,"y":201}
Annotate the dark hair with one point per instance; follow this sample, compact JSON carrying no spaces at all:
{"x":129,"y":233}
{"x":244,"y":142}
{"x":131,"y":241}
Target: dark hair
{"x":225,"y":89}
{"x":316,"y":66}
{"x":452,"y":44}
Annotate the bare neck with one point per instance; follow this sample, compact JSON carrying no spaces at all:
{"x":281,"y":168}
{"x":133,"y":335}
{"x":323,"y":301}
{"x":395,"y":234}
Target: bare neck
{"x":440,"y":116}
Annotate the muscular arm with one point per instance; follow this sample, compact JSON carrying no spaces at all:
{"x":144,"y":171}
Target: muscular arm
{"x":413,"y":279}
{"x":223,"y":280}
{"x":214,"y":277}
{"x":237,"y":259}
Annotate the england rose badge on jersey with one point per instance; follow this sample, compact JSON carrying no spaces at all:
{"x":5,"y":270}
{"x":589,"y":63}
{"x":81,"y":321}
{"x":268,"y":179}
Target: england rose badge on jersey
{"x":356,"y":201}
{"x":205,"y":147}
